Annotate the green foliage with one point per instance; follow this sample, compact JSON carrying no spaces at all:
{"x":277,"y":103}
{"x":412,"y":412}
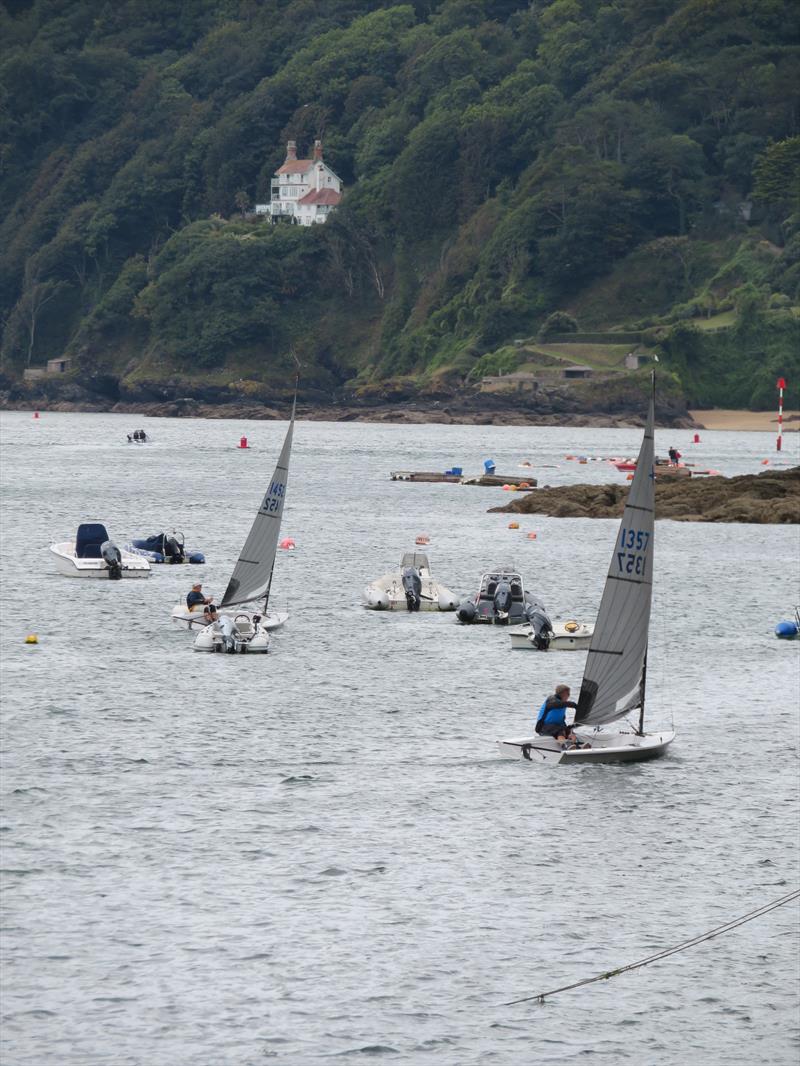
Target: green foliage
{"x":558,"y":322}
{"x":502,"y":160}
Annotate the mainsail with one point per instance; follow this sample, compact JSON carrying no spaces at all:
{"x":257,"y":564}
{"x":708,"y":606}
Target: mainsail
{"x":253,"y":571}
{"x":613,"y":679}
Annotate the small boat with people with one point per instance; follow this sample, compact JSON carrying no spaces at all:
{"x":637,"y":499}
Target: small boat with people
{"x":138,"y":437}
{"x":411,"y":587}
{"x":236,"y":626}
{"x":614,"y":676}
{"x":93,"y":554}
{"x":561,"y":636}
{"x":502,"y":599}
{"x":164,"y":548}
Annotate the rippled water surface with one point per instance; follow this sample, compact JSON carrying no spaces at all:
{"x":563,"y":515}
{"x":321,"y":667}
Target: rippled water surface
{"x":318,"y":854}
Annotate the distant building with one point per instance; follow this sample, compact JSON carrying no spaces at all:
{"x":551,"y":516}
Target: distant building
{"x":576,"y":372}
{"x":304,"y":191}
{"x":520,"y":380}
{"x":58,"y":366}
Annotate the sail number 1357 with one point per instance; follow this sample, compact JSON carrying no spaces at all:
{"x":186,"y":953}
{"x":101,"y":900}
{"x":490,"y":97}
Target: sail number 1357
{"x":631,"y":556}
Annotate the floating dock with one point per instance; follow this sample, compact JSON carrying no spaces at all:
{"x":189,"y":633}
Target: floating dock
{"x":494,"y":480}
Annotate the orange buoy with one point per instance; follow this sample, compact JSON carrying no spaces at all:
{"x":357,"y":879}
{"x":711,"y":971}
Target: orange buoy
{"x":765,"y":462}
{"x":629,"y":477}
{"x":531,"y":536}
{"x":423,"y":538}
{"x":569,"y":456}
{"x":523,"y":485}
{"x":287,"y":543}
{"x":513,"y":525}
{"x":507,"y":488}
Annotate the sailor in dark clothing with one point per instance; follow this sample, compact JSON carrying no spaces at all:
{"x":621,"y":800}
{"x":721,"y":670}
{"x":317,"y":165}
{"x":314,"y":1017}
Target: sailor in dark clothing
{"x":552,"y":720}
{"x":195,"y":598}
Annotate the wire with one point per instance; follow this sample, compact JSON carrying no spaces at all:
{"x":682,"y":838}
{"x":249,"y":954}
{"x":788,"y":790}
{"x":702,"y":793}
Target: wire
{"x":725,"y":928}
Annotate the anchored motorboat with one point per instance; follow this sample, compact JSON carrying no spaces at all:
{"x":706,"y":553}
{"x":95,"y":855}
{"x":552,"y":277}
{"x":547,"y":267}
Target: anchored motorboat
{"x":561,"y":636}
{"x":501,"y":598}
{"x":94,"y":554}
{"x":409,"y":588}
{"x":164,"y":548}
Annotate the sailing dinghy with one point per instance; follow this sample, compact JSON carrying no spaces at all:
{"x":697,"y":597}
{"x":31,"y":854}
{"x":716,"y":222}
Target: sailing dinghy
{"x":244,"y":630}
{"x":616,"y":663}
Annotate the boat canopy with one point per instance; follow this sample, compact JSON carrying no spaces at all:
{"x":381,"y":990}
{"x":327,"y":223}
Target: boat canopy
{"x":614,"y":675}
{"x":89,"y":537}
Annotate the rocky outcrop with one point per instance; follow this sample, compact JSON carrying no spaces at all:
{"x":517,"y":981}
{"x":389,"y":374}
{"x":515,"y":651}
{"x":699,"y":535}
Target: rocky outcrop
{"x":769,"y":498}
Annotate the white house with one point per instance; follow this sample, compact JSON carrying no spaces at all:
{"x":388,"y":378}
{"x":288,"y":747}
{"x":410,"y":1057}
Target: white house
{"x":303,"y":190}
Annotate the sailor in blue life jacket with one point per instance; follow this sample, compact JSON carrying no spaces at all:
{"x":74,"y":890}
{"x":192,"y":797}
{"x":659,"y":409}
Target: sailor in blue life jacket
{"x":551,"y":720}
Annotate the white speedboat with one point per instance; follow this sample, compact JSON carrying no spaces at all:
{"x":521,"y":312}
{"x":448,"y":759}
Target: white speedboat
{"x":93,"y":554}
{"x":409,"y":588}
{"x":614,"y":677}
{"x":562,"y":636}
{"x":244,"y":629}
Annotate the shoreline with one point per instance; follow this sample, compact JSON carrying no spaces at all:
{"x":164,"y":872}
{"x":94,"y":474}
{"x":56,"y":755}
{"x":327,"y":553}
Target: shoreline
{"x":438,"y":413}
{"x":746,"y":421}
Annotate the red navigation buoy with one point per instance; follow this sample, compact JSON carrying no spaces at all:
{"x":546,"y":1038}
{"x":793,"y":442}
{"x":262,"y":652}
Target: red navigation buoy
{"x":35,"y":414}
{"x":696,"y":439}
{"x":243,"y":443}
{"x":287,"y":544}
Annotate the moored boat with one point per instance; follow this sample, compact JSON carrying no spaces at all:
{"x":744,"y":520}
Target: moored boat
{"x":92,"y":554}
{"x":409,"y":588}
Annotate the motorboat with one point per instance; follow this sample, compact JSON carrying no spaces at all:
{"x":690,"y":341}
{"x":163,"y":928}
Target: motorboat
{"x":138,"y":437}
{"x":615,"y":674}
{"x":164,"y":548}
{"x":501,"y":599}
{"x":93,"y":554}
{"x":561,"y":636}
{"x":409,"y":588}
{"x":238,"y":627}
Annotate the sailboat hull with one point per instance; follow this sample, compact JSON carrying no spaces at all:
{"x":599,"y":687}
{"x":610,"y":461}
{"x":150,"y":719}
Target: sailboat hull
{"x":607,"y":747}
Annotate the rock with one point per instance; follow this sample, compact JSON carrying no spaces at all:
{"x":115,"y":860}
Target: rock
{"x":770,"y":498}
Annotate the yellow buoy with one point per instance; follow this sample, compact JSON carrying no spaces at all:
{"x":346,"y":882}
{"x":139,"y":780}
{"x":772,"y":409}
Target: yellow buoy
{"x":31,"y":639}
{"x":513,"y":525}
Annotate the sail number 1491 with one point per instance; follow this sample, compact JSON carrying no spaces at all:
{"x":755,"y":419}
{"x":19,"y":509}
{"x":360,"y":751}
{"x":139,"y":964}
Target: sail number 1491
{"x":631,"y":556}
{"x":272,"y":500}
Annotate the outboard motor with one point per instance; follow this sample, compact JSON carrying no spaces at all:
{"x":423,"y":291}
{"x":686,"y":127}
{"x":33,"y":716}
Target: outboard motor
{"x":502,"y":601}
{"x":466,"y":611}
{"x":173,"y":549}
{"x":541,"y":628}
{"x":113,"y":559}
{"x":228,"y":630}
{"x":412,"y":586}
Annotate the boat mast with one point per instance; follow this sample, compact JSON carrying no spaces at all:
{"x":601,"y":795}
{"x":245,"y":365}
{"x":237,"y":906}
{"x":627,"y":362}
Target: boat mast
{"x":641,"y":707}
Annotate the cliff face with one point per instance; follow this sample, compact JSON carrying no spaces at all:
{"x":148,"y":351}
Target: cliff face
{"x":769,"y":498}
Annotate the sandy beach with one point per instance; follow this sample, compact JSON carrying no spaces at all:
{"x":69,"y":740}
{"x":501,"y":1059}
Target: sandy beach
{"x":747,"y":421}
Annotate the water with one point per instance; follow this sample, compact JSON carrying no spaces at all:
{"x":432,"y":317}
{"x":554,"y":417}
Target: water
{"x":318,"y":854}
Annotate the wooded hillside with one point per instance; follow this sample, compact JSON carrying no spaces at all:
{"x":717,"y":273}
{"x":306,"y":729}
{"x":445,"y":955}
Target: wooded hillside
{"x":510,"y":170}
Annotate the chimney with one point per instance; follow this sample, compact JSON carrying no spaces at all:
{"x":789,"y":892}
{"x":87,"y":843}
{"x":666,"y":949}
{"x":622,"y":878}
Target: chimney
{"x":317,"y":151}
{"x":291,"y":151}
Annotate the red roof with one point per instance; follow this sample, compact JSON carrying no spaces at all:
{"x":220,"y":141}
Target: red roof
{"x":321,"y":196}
{"x":295,"y":166}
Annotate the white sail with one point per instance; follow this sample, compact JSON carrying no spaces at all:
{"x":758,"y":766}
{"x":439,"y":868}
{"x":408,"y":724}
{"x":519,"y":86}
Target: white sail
{"x":253,"y":571}
{"x":613,"y":679}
